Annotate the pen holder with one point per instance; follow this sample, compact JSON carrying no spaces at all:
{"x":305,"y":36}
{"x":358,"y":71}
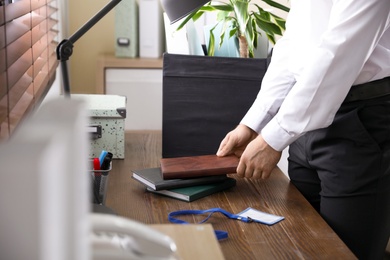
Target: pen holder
{"x":99,"y":183}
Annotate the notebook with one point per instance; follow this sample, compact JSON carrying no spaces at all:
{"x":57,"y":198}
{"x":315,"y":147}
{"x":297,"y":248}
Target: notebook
{"x":197,"y":166}
{"x":152,"y":178}
{"x":196,"y":192}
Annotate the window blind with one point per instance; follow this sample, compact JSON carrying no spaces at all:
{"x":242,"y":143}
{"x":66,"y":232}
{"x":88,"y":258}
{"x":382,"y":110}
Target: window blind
{"x":28,"y":40}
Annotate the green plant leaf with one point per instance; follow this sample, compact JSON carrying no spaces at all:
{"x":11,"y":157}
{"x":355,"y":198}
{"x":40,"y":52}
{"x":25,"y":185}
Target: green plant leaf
{"x":271,"y":38}
{"x":222,"y":35}
{"x":189,"y":17}
{"x":242,"y":14}
{"x":265,"y":15}
{"x":226,"y":25}
{"x":217,"y":7}
{"x":276,"y":5}
{"x":222,"y":15}
{"x":207,"y":8}
{"x":211,"y":48}
{"x":250,"y":34}
{"x":197,"y":15}
{"x":267,"y":26}
{"x":232,"y":32}
{"x":255,"y":38}
{"x":270,"y":17}
{"x":279,"y":21}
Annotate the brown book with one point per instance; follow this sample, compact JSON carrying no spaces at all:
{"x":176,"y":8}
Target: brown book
{"x":197,"y":166}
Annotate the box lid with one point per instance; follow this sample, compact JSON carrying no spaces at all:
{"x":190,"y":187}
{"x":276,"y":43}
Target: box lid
{"x":112,"y":106}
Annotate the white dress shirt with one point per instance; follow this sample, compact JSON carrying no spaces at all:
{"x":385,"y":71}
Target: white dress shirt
{"x":328,"y":46}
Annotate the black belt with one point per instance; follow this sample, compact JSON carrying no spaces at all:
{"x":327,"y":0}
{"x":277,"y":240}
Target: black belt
{"x":372,"y":89}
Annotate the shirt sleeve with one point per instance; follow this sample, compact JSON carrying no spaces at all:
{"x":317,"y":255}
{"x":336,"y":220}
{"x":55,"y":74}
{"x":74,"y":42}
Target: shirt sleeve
{"x":290,"y":102}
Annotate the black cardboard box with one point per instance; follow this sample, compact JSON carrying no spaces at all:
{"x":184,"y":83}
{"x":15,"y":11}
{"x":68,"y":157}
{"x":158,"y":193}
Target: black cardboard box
{"x":204,"y":98}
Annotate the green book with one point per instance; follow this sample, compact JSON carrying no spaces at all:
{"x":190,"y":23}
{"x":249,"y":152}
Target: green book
{"x":196,"y":192}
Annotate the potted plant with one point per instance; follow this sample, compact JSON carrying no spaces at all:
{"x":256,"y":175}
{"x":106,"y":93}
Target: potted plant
{"x":238,"y":20}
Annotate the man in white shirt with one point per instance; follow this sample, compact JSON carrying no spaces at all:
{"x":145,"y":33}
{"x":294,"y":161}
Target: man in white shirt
{"x":338,"y":135}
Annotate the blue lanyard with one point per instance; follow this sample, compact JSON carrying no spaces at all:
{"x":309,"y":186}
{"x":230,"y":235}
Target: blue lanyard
{"x":219,"y":233}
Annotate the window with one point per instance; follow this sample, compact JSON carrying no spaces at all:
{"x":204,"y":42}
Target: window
{"x":28,"y":62}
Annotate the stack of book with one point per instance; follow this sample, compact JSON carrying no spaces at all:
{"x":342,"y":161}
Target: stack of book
{"x":188,"y":189}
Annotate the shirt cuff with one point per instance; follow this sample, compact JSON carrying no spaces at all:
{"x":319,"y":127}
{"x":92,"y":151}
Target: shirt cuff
{"x":251,"y":119}
{"x":276,"y":136}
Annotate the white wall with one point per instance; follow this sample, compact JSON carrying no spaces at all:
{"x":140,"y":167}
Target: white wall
{"x":283,"y":164}
{"x":56,"y":88}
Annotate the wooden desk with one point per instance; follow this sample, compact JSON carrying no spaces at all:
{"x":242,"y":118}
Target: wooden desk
{"x":303,"y":234}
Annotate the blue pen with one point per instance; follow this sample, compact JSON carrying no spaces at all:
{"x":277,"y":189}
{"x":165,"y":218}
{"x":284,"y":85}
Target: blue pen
{"x":103,"y":154}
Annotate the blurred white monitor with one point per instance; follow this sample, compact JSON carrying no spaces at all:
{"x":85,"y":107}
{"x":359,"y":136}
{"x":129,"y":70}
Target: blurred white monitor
{"x":44,"y":187}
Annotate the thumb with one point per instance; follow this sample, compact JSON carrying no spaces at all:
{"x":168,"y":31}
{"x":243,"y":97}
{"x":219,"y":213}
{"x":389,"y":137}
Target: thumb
{"x":225,"y":147}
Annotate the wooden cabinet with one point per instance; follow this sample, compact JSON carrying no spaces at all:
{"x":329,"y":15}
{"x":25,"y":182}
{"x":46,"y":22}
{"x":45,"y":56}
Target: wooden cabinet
{"x":140,"y":80}
{"x":111,"y":62}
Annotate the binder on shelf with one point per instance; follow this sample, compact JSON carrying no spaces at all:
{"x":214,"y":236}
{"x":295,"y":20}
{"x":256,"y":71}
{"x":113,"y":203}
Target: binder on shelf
{"x":175,"y":40}
{"x":126,"y":29}
{"x":151,"y":29}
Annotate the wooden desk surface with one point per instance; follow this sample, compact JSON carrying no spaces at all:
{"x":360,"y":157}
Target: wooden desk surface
{"x":303,"y":234}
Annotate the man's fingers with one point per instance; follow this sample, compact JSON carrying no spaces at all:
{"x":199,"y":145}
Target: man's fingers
{"x":225,"y":147}
{"x":257,"y":174}
{"x":241,"y":169}
{"x":221,"y":150}
{"x":266,"y":174}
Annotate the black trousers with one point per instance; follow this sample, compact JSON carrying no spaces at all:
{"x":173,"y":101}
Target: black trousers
{"x":344,"y":172}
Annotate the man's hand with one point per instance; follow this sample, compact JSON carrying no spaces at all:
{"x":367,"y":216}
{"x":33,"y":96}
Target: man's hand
{"x":236,"y":141}
{"x":258,"y":160}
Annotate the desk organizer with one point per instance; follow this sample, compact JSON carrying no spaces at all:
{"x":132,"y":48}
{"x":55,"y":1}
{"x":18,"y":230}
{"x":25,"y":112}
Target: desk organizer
{"x":99,"y":180}
{"x":107,"y":123}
